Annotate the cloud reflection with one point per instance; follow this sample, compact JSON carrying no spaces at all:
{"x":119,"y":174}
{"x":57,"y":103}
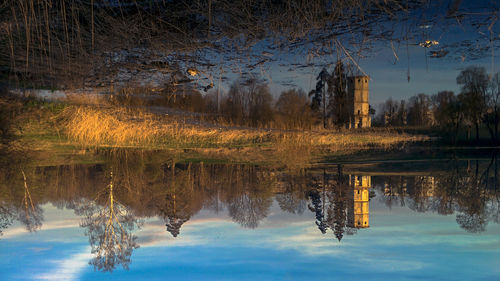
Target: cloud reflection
{"x":67,"y":268}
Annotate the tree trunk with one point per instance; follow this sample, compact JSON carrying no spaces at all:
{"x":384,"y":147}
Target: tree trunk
{"x":477,"y":131}
{"x":496,"y":126}
{"x":490,"y":130}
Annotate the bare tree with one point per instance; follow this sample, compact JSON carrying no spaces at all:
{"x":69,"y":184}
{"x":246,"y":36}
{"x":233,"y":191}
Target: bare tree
{"x":492,"y":116}
{"x":389,"y":112}
{"x":420,"y":113}
{"x":294,"y":108}
{"x":30,"y":213}
{"x":474,"y":82}
{"x":448,"y":112}
{"x":109,"y":228}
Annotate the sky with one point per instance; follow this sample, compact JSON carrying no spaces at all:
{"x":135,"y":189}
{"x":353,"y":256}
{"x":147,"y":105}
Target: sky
{"x":390,"y":63}
{"x":389,"y":75}
{"x":400,"y":244}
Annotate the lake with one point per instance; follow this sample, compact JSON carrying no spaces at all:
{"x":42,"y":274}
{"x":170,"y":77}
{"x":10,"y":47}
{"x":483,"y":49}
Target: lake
{"x":134,"y":215}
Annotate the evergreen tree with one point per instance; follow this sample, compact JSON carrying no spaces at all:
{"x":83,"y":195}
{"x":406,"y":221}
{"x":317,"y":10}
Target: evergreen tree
{"x":337,"y":90}
{"x":319,"y":95}
{"x":317,"y":208}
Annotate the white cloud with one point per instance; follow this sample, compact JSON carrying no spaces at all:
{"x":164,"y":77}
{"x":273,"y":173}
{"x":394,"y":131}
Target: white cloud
{"x":154,"y":233}
{"x":68,"y":268}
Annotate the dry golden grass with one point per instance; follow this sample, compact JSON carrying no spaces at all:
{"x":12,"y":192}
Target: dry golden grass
{"x":118,"y":127}
{"x":93,"y":99}
{"x":94,"y":127}
{"x":293,"y":150}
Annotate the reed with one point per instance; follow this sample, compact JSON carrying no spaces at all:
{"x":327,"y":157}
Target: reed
{"x":94,"y":127}
{"x":116,"y":126}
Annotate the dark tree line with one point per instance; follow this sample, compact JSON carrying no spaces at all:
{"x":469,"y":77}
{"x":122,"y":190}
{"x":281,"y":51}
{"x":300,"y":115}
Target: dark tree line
{"x":248,"y":102}
{"x":474,"y":109}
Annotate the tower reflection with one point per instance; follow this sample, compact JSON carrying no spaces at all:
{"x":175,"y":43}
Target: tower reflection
{"x":359,"y":213}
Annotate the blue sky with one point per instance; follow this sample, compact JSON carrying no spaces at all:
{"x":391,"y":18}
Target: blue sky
{"x":400,"y":244}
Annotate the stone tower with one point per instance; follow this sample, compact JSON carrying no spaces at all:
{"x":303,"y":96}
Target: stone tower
{"x":359,"y":108}
{"x":359,"y":212}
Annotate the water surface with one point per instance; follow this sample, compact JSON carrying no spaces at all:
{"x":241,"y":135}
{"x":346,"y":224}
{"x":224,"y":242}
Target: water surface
{"x":135,"y":216}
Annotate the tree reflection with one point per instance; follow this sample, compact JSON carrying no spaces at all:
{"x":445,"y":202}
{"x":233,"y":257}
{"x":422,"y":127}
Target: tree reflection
{"x":395,"y":191}
{"x":318,"y":201}
{"x":467,"y":188}
{"x":247,"y":210}
{"x":112,"y":197}
{"x":249,"y":196}
{"x":317,"y":207}
{"x":339,"y":199}
{"x":345,"y":199}
{"x":30,"y":214}
{"x":291,"y":193}
{"x":472,"y":222}
{"x":6,"y":217}
{"x":109,"y":228}
{"x":176,"y":209}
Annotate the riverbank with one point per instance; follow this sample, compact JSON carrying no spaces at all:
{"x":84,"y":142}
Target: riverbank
{"x":75,"y":127}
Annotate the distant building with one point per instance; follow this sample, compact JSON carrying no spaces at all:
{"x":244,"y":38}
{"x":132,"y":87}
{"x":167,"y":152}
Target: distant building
{"x":398,"y":189}
{"x":357,"y":96}
{"x":359,"y":211}
{"x":426,"y":185}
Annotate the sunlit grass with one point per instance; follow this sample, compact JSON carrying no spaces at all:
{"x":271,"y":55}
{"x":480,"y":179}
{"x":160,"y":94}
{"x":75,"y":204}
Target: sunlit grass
{"x":94,"y":127}
{"x":118,"y":127}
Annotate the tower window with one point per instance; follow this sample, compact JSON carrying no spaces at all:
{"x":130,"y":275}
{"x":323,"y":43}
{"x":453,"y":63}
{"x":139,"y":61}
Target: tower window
{"x":359,"y":80}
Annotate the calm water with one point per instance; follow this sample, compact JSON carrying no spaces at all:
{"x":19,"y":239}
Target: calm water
{"x":137,"y":217}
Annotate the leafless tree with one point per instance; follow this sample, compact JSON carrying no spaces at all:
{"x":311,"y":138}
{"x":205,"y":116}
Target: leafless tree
{"x":109,"y":228}
{"x":474,"y":82}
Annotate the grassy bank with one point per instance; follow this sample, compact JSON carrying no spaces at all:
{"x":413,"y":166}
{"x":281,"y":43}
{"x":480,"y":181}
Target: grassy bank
{"x":71,"y":128}
{"x":114,"y":127}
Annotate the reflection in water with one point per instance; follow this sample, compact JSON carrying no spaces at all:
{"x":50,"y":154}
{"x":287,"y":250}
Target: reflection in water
{"x":345,"y":199}
{"x":17,"y":203}
{"x":176,"y":209}
{"x":359,"y":216}
{"x":114,"y":197}
{"x":6,"y":217}
{"x":109,"y":228}
{"x":31,"y":214}
{"x":470,"y":191}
